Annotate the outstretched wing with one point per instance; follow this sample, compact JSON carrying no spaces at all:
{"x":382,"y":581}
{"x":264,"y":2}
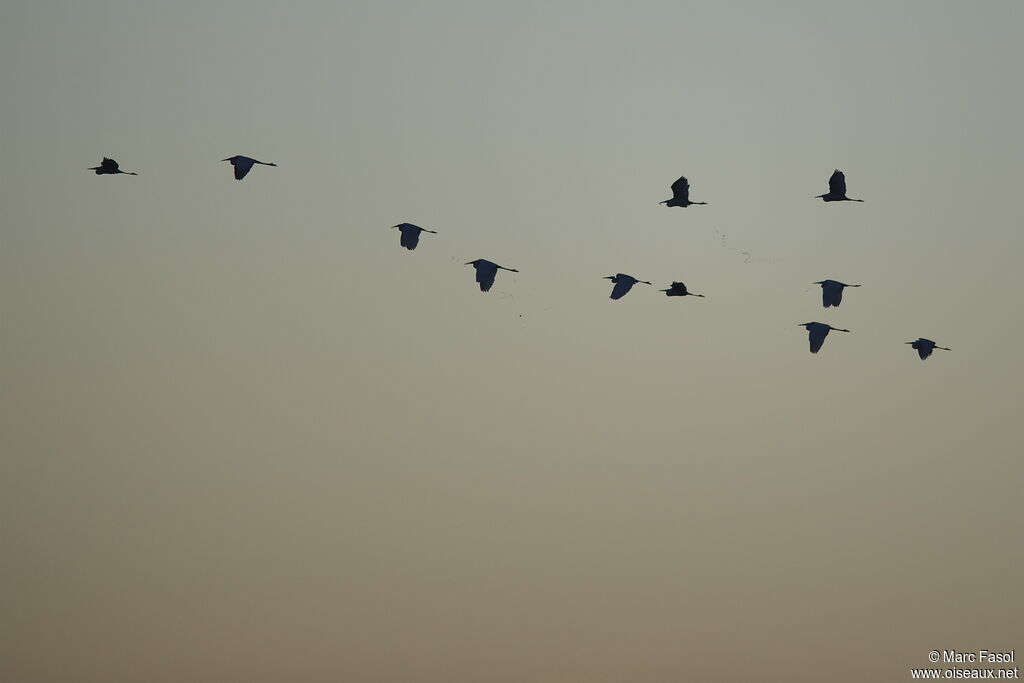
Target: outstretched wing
{"x":816,"y":336}
{"x":837,"y":184}
{"x":109,"y":165}
{"x":241,"y":170}
{"x":681,"y":190}
{"x":831,"y":293}
{"x":410,"y":235}
{"x":924,"y":348}
{"x":622,"y":287}
{"x":485,"y":273}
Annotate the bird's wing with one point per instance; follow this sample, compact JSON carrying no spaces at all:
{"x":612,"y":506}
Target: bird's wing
{"x":485,"y":276}
{"x":923,"y":350}
{"x":621,"y":288}
{"x":681,"y":190}
{"x":241,"y":170}
{"x":837,"y":295}
{"x":109,"y":164}
{"x":816,"y":335}
{"x":837,"y":183}
{"x":410,"y":237}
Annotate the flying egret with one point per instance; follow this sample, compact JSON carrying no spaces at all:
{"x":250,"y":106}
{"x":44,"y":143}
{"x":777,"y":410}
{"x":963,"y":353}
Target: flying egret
{"x":832,"y":292}
{"x":485,"y":272}
{"x":925,"y":347}
{"x":411,"y":234}
{"x":109,"y":167}
{"x":679,"y":289}
{"x":244,"y":164}
{"x":623,"y":283}
{"x":817,"y":333}
{"x":680,"y":194}
{"x":837,"y":189}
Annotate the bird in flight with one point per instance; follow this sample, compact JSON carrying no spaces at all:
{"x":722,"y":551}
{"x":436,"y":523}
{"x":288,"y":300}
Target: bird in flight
{"x":623,"y":283}
{"x":109,"y":167}
{"x":680,"y":194}
{"x":837,"y":189}
{"x":244,"y":164}
{"x":832,"y":292}
{"x":817,"y":333}
{"x":485,"y":272}
{"x":411,"y":234}
{"x":925,"y":347}
{"x":679,"y":289}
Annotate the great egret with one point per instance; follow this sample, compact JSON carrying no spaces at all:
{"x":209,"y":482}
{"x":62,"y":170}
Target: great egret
{"x":411,"y":234}
{"x":925,"y":347}
{"x":837,"y":189}
{"x":817,"y":333}
{"x":109,"y":167}
{"x":679,"y":289}
{"x":680,"y":194}
{"x":623,"y":283}
{"x":244,"y":164}
{"x":832,"y":292}
{"x":485,"y":272}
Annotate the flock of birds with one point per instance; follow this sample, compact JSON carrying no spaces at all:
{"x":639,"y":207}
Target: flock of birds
{"x":486,"y":271}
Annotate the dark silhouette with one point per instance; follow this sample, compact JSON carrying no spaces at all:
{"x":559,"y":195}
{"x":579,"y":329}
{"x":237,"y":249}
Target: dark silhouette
{"x":925,"y":347}
{"x":411,"y":234}
{"x":837,"y":189}
{"x":680,"y":194}
{"x":485,"y":272}
{"x":832,"y":292}
{"x":817,"y":333}
{"x":623,"y":283}
{"x":679,"y":289}
{"x":109,"y":167}
{"x":244,"y":164}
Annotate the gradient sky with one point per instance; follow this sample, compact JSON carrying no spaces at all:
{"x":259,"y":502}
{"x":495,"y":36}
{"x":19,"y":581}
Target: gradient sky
{"x":246,"y":436}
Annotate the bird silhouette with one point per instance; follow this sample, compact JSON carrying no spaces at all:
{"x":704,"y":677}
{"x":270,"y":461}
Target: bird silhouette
{"x":679,"y":289}
{"x":244,"y":164}
{"x":623,"y":283}
{"x":109,"y":167}
{"x":485,"y":272}
{"x":925,"y":347}
{"x":680,"y":194}
{"x":837,"y":189}
{"x":817,"y":333}
{"x":832,"y":292}
{"x":411,"y":234}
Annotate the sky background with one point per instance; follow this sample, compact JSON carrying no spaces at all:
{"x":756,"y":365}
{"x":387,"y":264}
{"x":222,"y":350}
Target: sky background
{"x":246,"y":436}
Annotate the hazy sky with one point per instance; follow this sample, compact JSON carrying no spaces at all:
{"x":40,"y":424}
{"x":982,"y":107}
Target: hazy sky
{"x":247,"y":437}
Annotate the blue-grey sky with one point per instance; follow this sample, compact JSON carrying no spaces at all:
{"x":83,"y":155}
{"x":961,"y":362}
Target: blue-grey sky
{"x":247,"y":436}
